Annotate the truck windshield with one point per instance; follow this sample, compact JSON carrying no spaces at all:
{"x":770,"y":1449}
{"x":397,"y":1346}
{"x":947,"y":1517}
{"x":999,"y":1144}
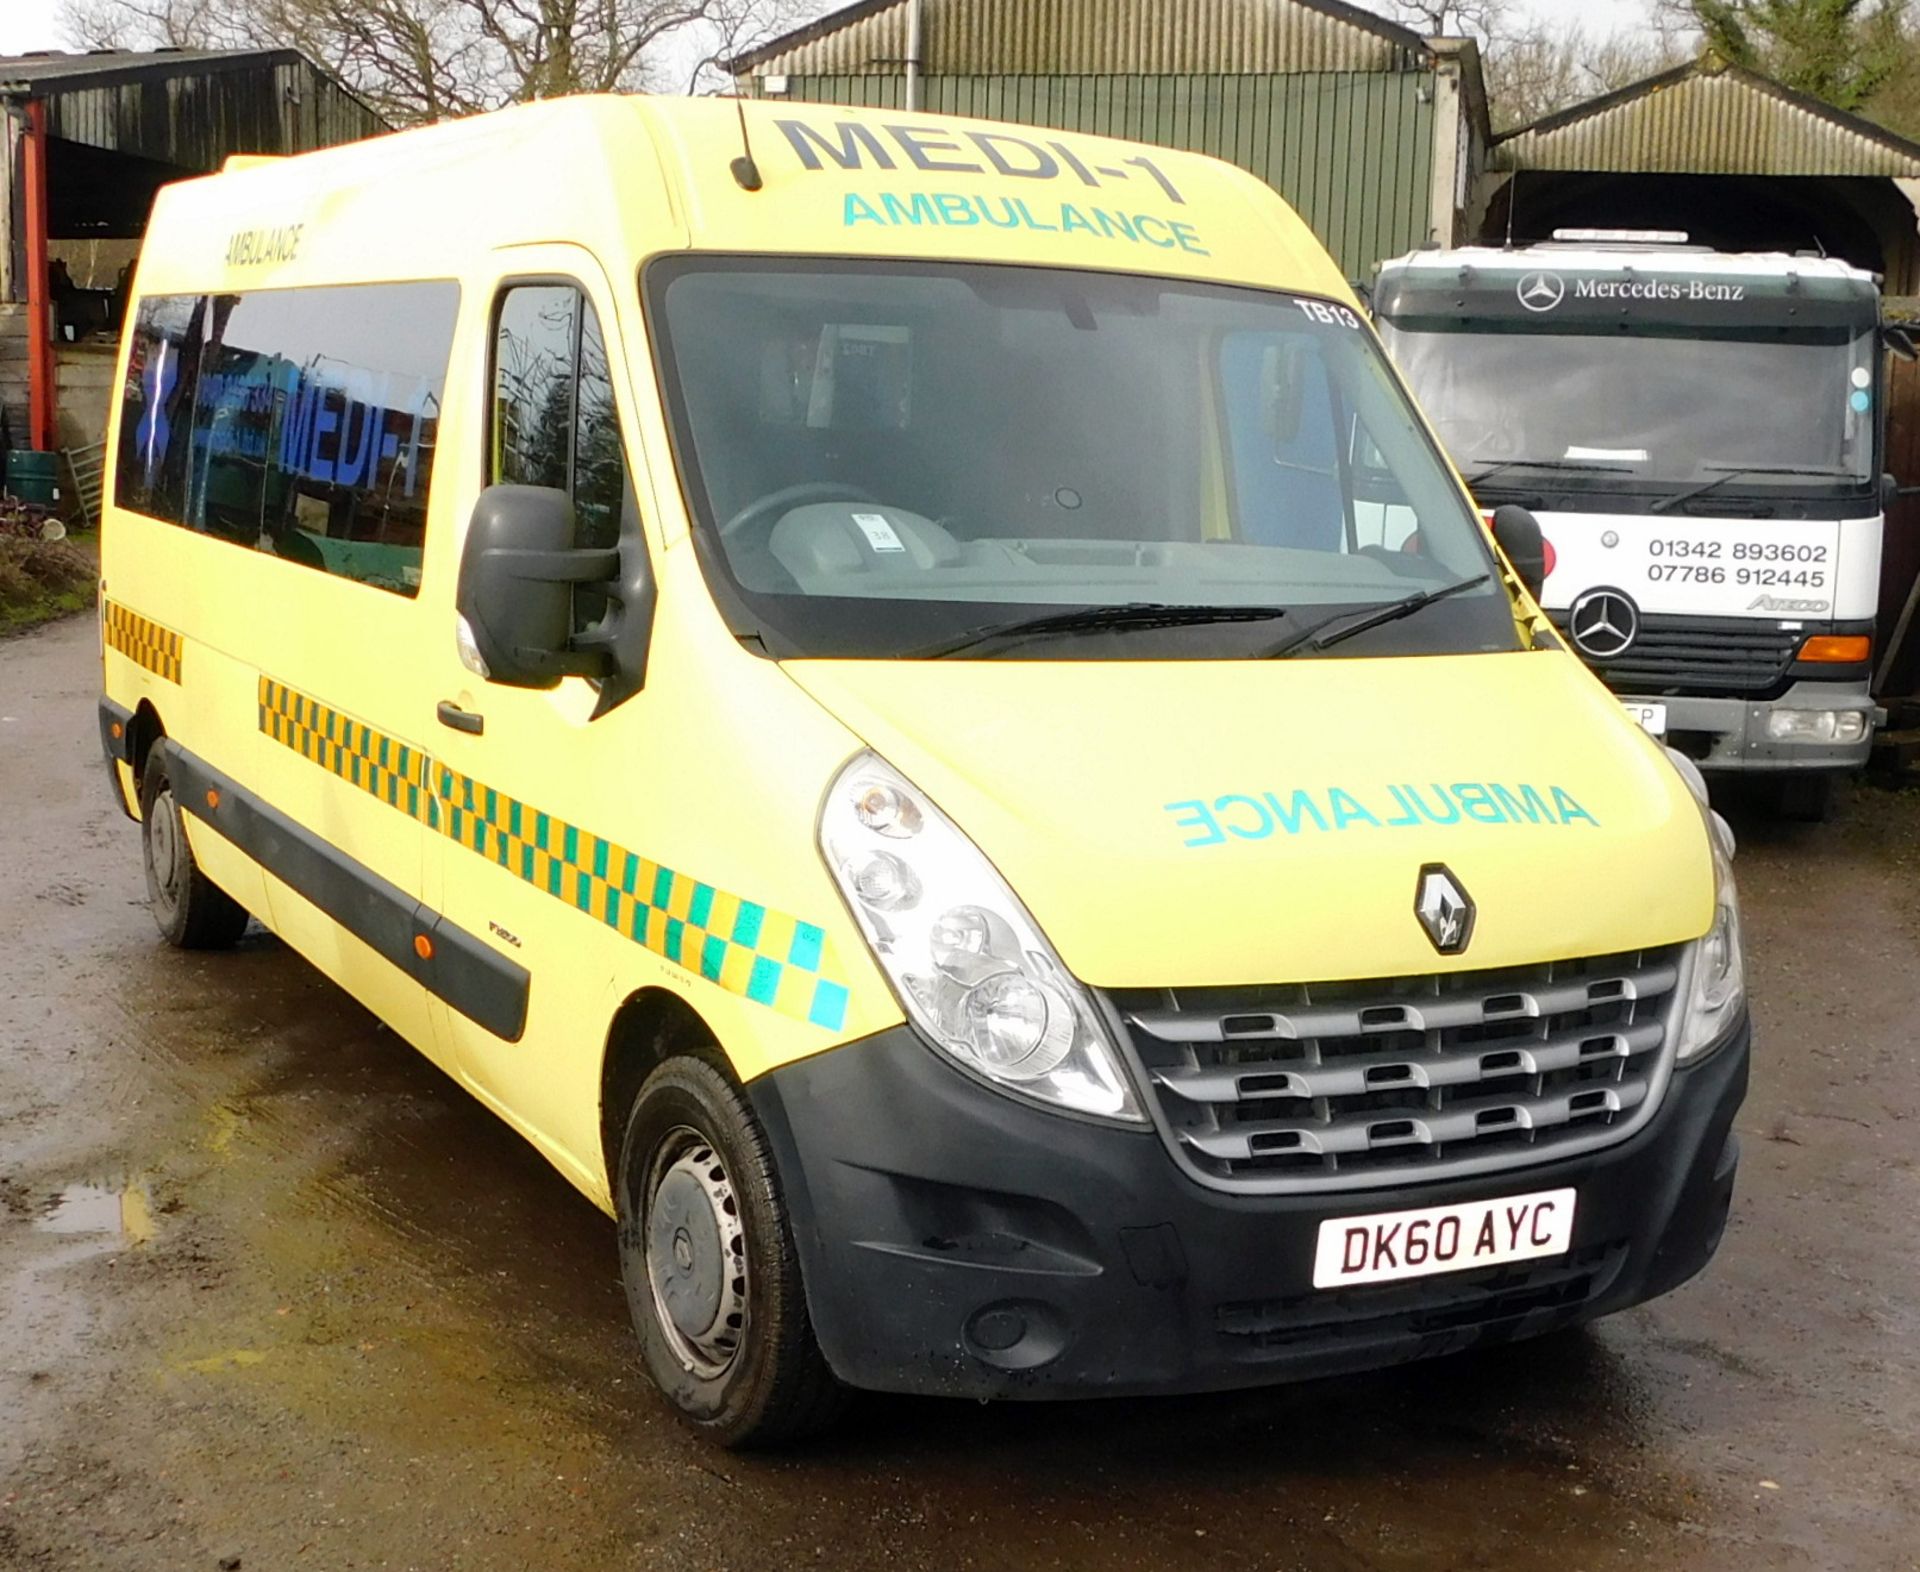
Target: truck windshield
{"x":1648,"y":412}
{"x":894,"y":459}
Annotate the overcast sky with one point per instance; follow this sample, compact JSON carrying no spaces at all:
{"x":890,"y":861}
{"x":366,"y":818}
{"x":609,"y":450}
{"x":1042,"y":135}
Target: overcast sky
{"x":34,"y":24}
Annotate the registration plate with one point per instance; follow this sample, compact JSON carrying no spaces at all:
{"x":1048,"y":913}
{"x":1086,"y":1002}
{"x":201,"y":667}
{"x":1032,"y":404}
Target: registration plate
{"x":1384,"y":1246}
{"x":1652,"y":717}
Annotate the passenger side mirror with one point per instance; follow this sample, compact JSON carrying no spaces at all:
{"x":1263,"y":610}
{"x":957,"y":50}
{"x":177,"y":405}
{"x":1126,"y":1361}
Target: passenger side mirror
{"x":1517,"y":532}
{"x":517,"y":575}
{"x":1899,"y":340}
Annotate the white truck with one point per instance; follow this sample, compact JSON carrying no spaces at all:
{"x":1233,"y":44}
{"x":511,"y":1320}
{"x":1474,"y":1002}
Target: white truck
{"x":1699,"y":435}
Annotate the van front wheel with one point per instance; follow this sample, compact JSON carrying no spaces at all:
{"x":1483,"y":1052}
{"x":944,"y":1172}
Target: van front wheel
{"x":712,"y":1278}
{"x":193,"y":913}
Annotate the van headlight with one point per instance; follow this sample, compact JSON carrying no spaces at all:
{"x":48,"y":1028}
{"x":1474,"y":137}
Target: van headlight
{"x":1717,"y":980}
{"x":971,"y":967}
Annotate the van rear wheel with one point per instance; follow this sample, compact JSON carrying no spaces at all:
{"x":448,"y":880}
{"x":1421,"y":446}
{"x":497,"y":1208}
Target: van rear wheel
{"x":707,"y":1256}
{"x":191,"y":911}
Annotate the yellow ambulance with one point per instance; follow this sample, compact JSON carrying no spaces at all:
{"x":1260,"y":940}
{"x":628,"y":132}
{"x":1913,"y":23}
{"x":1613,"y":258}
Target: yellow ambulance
{"x":913,"y":703}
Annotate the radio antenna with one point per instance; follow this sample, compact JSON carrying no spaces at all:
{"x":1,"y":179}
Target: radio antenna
{"x":1513,"y":200}
{"x":745,"y":172}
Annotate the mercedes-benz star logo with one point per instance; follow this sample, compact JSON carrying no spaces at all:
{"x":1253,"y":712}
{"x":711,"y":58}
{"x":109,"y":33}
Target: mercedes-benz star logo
{"x":1603,"y":623}
{"x":1444,"y":908}
{"x":1541,"y":291}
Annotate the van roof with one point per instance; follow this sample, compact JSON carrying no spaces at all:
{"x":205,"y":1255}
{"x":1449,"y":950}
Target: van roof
{"x":632,"y":176}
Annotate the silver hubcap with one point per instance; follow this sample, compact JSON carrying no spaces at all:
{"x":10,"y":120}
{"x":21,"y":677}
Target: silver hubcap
{"x":164,"y":848}
{"x":696,"y":1252}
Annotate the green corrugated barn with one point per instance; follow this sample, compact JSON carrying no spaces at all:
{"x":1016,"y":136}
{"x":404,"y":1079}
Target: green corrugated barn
{"x":1371,"y":131}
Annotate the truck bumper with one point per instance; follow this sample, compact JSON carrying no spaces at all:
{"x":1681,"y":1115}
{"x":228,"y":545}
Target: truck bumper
{"x":957,"y":1241}
{"x":1738,"y":734}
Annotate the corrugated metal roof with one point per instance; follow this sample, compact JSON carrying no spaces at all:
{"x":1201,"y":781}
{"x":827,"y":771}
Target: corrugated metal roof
{"x":192,"y":108}
{"x":56,"y":72}
{"x":1707,"y":118}
{"x":1093,"y":37}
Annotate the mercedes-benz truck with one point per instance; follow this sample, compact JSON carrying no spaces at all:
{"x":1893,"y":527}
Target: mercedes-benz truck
{"x":1700,"y":436}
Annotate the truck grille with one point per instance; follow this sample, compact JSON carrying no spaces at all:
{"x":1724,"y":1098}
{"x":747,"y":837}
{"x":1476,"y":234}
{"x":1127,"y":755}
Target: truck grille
{"x":1719,"y":657}
{"x":1352,"y":1084}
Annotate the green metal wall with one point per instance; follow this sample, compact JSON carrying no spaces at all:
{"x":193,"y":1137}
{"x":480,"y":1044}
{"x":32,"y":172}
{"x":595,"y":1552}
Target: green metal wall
{"x":1352,"y":151}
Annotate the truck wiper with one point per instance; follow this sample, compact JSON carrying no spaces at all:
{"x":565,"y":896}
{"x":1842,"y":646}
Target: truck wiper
{"x":1087,"y":619}
{"x":1558,"y":465}
{"x":1728,"y":471}
{"x":1314,"y":637}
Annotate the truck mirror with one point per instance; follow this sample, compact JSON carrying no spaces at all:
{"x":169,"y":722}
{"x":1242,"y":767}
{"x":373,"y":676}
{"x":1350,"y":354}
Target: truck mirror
{"x":517,"y":573}
{"x":1517,"y":532}
{"x":1899,"y":340}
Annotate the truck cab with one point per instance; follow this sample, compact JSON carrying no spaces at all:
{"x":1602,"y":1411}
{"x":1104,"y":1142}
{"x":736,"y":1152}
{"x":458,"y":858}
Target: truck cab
{"x":1700,"y":436}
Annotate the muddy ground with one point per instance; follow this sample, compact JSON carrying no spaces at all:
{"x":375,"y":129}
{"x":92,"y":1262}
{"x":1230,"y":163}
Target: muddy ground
{"x":275,"y":1294}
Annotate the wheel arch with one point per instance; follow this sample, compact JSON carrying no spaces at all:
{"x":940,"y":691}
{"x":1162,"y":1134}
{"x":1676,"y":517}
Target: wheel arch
{"x":143,"y":731}
{"x":651,"y":1025}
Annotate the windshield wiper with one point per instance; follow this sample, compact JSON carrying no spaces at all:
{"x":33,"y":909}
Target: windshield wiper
{"x":1728,"y":471}
{"x":1088,"y":619}
{"x":1558,"y":465}
{"x":1314,"y":636}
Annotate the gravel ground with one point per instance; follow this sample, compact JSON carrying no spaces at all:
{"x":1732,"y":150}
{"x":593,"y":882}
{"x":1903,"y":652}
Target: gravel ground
{"x":276,"y":1294}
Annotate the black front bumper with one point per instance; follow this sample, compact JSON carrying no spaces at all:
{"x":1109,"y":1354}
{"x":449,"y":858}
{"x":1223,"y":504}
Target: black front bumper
{"x":956,"y":1241}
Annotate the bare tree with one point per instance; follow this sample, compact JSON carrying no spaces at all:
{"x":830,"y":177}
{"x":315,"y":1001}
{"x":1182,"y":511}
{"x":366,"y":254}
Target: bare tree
{"x":1485,"y":20}
{"x":1534,"y":67}
{"x":1538,"y":72}
{"x":420,"y":60}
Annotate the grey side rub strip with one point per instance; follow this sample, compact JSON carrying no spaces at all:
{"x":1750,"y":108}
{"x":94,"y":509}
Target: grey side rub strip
{"x":484,"y":986}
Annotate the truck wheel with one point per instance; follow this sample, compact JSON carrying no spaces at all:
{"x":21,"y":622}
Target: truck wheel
{"x":192,"y":911}
{"x":712,"y":1277}
{"x":1806,"y":797}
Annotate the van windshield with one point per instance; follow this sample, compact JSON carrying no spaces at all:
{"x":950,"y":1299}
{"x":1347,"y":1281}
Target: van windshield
{"x":885,"y":457}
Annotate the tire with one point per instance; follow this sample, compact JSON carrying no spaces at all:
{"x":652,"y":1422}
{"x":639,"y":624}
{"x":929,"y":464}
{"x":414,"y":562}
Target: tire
{"x":192,"y":912}
{"x":1804,"y":797}
{"x":732,"y":1350}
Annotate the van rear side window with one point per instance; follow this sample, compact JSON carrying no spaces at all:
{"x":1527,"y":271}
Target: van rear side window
{"x":296,"y":422}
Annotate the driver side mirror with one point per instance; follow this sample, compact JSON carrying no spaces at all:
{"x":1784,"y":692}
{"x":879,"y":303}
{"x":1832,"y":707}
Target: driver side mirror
{"x":1517,"y":533}
{"x":518,"y":570}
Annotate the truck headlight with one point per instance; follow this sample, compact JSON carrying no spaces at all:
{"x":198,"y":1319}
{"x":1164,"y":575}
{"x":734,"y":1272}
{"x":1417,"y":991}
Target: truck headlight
{"x":970,"y":966}
{"x":1816,"y":725}
{"x":1717,"y":979}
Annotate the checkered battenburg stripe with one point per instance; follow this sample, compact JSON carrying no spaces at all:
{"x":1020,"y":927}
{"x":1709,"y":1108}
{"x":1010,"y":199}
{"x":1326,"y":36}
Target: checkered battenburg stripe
{"x":142,"y":642}
{"x":748,"y":949}
{"x":359,"y":755}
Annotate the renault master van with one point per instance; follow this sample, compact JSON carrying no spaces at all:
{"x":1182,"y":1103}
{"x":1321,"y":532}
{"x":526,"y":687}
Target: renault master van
{"x":913,"y":703}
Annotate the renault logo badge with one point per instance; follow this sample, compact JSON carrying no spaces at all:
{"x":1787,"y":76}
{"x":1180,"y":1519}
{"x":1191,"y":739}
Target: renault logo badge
{"x":1444,"y":908}
{"x":1541,"y":291}
{"x":1603,"y":623}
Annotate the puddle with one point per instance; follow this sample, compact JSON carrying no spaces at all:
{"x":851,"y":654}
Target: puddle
{"x":126,"y":1212}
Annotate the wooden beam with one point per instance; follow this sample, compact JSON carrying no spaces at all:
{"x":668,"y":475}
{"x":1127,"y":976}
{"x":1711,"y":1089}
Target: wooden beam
{"x":10,"y":121}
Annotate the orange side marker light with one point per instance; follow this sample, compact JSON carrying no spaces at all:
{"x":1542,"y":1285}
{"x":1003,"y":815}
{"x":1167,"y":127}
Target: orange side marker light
{"x":423,"y":946}
{"x":1841,"y":649}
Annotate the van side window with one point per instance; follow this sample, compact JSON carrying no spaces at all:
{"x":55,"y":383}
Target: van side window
{"x":296,"y":422}
{"x":554,"y":422}
{"x":156,"y":421}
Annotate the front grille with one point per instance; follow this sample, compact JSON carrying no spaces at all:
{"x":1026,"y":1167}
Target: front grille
{"x":1351,"y":1084}
{"x":1720,"y":657}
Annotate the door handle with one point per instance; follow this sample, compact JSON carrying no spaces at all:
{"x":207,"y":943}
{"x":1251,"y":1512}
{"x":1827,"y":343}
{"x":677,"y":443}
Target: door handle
{"x":461,"y":720}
